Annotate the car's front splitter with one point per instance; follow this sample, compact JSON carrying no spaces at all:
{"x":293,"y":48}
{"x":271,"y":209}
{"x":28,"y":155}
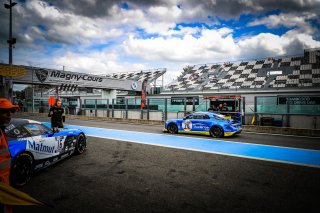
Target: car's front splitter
{"x":227,"y":134}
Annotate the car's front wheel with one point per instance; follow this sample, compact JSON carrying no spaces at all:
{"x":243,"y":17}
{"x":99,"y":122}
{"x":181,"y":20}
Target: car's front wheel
{"x":216,"y":131}
{"x":172,"y":128}
{"x":81,"y":144}
{"x":21,"y":169}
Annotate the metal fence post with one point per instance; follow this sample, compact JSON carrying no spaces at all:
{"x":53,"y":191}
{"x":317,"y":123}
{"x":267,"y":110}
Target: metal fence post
{"x":165,"y":109}
{"x":193,"y":104}
{"x":141,"y":113}
{"x":80,"y":107}
{"x":108,"y":113}
{"x":112,"y":113}
{"x":126,"y":108}
{"x":185,"y":106}
{"x":288,"y":116}
{"x":255,"y":110}
{"x":95,"y":108}
{"x":148,"y":111}
{"x":243,"y":115}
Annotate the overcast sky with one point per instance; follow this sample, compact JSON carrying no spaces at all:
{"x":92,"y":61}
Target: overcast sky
{"x":100,"y":36}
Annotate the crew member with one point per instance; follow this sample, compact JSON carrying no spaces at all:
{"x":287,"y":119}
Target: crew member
{"x":212,"y":108}
{"x":57,"y":115}
{"x":224,"y":107}
{"x":6,"y":108}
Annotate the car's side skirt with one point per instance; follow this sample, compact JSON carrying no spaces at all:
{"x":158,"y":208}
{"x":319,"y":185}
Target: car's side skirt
{"x":43,"y":163}
{"x":194,"y":132}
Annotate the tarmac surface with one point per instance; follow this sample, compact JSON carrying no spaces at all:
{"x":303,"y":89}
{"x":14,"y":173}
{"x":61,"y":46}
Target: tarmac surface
{"x":118,"y":176}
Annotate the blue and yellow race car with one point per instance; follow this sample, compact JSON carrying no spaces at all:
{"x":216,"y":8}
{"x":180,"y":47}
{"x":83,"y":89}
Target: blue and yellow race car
{"x":33,"y":146}
{"x":204,"y":123}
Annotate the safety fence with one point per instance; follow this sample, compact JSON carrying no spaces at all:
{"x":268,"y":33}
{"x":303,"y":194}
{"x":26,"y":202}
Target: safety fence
{"x":263,"y":111}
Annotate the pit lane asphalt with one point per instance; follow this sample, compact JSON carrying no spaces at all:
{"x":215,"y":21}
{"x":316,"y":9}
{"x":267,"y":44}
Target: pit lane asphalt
{"x":117,"y":176}
{"x":256,"y":138}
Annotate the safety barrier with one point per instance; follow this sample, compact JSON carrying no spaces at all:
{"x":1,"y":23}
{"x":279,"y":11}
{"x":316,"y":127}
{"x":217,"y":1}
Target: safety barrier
{"x":246,"y":128}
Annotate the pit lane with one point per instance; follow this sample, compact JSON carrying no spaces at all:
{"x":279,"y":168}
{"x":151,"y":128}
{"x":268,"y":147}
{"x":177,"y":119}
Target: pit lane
{"x":118,"y":176}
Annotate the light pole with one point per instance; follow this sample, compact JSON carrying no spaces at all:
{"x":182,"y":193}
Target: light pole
{"x":11,"y":41}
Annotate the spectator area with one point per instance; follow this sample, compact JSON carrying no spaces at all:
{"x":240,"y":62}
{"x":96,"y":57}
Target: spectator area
{"x":149,"y":75}
{"x":270,"y":73}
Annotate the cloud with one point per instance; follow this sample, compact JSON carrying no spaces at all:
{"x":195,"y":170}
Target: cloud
{"x":234,"y":8}
{"x":95,"y":63}
{"x":285,"y":19}
{"x":197,"y":9}
{"x":211,"y":45}
{"x":219,"y":45}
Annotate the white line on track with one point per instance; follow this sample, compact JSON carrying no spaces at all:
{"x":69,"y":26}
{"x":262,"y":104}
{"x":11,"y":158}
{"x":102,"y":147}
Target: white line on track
{"x":197,"y":138}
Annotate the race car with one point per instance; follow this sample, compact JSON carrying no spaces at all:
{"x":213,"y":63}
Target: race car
{"x":34,"y":146}
{"x":204,"y":123}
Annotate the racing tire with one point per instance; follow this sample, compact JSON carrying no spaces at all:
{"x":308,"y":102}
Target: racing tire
{"x":21,"y":169}
{"x":81,"y":144}
{"x":172,"y":128}
{"x":216,"y":132}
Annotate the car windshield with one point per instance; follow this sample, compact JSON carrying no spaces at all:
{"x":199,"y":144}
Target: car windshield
{"x":37,"y":129}
{"x":220,"y":117}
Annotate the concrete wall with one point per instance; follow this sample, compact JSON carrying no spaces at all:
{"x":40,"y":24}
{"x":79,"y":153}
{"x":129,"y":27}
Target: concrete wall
{"x":157,"y":116}
{"x":306,"y":122}
{"x":134,"y":114}
{"x":119,"y":114}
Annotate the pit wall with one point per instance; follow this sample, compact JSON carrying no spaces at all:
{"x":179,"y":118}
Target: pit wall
{"x":155,"y":115}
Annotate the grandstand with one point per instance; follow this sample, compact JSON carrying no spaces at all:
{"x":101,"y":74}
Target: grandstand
{"x":280,"y":73}
{"x":149,"y":75}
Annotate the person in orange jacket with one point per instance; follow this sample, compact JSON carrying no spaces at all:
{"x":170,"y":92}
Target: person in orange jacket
{"x":6,"y":108}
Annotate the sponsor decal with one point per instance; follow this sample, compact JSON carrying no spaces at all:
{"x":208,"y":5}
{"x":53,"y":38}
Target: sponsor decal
{"x":9,"y":127}
{"x":188,"y":100}
{"x":55,"y":159}
{"x":38,"y":166}
{"x":41,"y":147}
{"x":134,"y":85}
{"x":42,"y":75}
{"x":68,"y":87}
{"x":11,"y":70}
{"x":16,"y":131}
{"x":59,"y":139}
{"x":77,"y":77}
{"x":187,"y":125}
{"x":201,"y":126}
{"x":47,"y":163}
{"x":65,"y":155}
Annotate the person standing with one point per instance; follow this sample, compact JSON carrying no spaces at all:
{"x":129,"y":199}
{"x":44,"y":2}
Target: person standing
{"x":224,"y":107}
{"x":57,"y":115}
{"x":212,"y":108}
{"x":6,"y":108}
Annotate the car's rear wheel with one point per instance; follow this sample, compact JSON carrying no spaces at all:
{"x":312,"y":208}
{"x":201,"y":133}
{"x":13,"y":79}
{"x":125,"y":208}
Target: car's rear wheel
{"x":172,"y":128}
{"x":81,"y":144}
{"x":21,"y":169}
{"x":216,"y":131}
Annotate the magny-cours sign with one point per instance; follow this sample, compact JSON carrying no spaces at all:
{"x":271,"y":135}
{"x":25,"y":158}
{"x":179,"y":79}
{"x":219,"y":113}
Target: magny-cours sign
{"x":57,"y":77}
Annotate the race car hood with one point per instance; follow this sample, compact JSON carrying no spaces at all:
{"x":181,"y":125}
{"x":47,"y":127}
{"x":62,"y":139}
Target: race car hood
{"x":68,"y":132}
